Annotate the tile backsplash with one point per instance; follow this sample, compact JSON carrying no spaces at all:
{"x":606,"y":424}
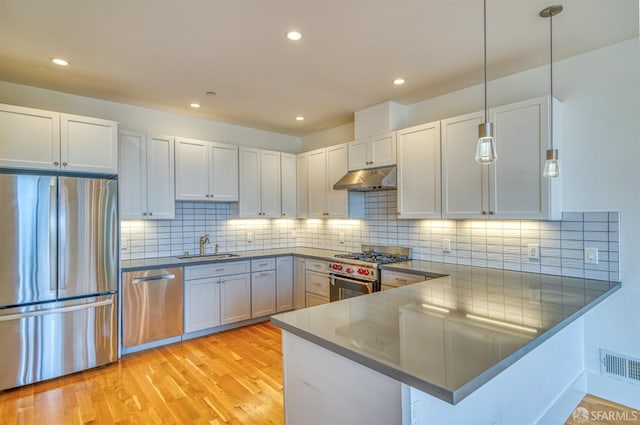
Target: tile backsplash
{"x":485,"y":243}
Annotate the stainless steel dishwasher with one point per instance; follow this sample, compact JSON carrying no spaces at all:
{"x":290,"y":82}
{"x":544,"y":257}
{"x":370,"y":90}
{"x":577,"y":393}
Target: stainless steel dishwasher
{"x":152,"y":305}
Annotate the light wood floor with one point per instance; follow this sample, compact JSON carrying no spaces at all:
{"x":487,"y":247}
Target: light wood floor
{"x":599,"y":411}
{"x":234,"y":377}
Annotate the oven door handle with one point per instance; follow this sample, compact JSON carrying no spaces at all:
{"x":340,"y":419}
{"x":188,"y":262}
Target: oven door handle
{"x":356,"y":282}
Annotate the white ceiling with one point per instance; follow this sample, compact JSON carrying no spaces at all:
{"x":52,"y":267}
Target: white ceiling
{"x":165,"y":54}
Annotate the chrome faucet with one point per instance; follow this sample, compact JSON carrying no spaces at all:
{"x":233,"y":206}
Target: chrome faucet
{"x":203,"y":240}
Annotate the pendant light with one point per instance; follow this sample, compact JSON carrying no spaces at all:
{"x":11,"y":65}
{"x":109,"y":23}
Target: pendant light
{"x":486,"y":148}
{"x":551,"y":166}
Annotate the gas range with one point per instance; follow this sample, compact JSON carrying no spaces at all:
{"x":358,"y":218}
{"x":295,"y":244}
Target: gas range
{"x":364,"y":265}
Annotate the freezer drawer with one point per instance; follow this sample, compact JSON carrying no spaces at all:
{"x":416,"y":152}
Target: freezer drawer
{"x":49,"y":340}
{"x":152,"y":307}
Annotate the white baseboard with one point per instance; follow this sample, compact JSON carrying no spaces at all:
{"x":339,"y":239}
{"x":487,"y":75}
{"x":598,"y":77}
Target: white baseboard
{"x":566,"y":403}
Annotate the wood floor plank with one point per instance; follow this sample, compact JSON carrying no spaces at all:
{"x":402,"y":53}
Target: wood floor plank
{"x":230,"y":378}
{"x":594,"y":410}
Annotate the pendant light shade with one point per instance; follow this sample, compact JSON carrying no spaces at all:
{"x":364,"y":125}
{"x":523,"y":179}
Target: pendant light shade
{"x":551,"y":165}
{"x":486,"y":147}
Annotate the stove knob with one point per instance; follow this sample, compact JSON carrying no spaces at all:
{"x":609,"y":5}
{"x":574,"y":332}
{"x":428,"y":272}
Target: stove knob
{"x":338,"y":266}
{"x":365,"y":272}
{"x":349,"y":270}
{"x":360,"y":271}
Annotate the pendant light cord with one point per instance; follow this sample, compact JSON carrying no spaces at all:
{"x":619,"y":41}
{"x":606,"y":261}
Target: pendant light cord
{"x":551,"y":75}
{"x":486,"y":111}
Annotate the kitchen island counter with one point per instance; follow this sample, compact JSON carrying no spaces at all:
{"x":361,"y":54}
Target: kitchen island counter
{"x":448,"y":336}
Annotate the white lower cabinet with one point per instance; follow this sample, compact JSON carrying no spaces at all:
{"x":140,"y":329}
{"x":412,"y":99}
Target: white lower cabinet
{"x":216,"y":294}
{"x":263,"y":293}
{"x":313,"y":299}
{"x":316,"y":284}
{"x":235,"y":298}
{"x":299,"y":266}
{"x":202,"y":304}
{"x":284,"y":284}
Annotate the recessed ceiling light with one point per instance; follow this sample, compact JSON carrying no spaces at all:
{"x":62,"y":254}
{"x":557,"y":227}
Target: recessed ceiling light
{"x":293,"y":35}
{"x":195,"y":105}
{"x":299,"y":118}
{"x":60,"y":61}
{"x":398,"y":81}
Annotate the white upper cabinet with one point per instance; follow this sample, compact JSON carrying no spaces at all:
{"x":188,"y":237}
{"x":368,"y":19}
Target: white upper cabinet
{"x":45,"y":140}
{"x":317,"y":183}
{"x":223,"y":172}
{"x":288,"y":177}
{"x":146,"y":176}
{"x":206,"y":171}
{"x":517,"y":187}
{"x":372,"y":152}
{"x":302,"y":180}
{"x":337,"y":200}
{"x":464,"y":181}
{"x":512,"y":187}
{"x":419,"y":188}
{"x":259,"y":183}
{"x":325,"y":167}
{"x":88,"y":144}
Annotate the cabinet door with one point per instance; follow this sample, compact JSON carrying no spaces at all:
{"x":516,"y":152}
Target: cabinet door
{"x":284,"y":286}
{"x":235,"y":298}
{"x":88,"y":144}
{"x":299,"y":282}
{"x":302,"y":172}
{"x":419,"y":171}
{"x":359,"y":154}
{"x":288,"y":177}
{"x":223,"y":172}
{"x":132,"y":178}
{"x":191,"y":170}
{"x":161,"y":202}
{"x":263,"y":293}
{"x":250,"y":203}
{"x":383,"y":150}
{"x":519,"y":190}
{"x":337,"y":200}
{"x":29,"y":138}
{"x":201,"y":304}
{"x":464,"y":181}
{"x":318,"y":183}
{"x":270,"y":184}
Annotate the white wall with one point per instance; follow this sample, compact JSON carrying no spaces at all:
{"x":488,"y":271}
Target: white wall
{"x":153,"y":121}
{"x":332,"y":136}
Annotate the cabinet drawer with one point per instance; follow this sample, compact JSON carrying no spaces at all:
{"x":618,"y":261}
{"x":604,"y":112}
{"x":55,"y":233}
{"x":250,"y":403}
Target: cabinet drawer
{"x":317,"y":265}
{"x":260,"y":264}
{"x":317,"y":283}
{"x":312,"y":299}
{"x":217,"y":269}
{"x":395,"y":279}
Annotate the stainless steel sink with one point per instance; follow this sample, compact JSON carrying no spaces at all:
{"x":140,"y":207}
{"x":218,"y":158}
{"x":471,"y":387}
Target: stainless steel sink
{"x":206,"y":256}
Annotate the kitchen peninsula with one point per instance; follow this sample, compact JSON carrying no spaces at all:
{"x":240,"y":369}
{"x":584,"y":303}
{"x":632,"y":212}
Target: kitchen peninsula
{"x":465,"y":348}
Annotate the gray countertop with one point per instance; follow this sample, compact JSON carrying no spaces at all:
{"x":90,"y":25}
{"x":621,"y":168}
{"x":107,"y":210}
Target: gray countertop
{"x":448,"y":336}
{"x":161,"y":262}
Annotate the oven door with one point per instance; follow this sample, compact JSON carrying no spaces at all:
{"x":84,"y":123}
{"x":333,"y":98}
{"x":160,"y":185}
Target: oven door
{"x":345,"y":287}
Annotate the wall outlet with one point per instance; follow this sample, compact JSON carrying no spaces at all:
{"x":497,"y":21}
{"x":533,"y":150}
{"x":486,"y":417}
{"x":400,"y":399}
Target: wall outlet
{"x":591,"y":255}
{"x":446,"y":245}
{"x":534,"y":251}
{"x":341,"y":238}
{"x":249,"y":237}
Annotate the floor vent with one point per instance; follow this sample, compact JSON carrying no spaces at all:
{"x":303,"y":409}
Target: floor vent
{"x":619,"y":366}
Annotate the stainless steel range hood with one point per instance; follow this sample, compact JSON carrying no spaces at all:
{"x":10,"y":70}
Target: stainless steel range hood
{"x":383,"y":178}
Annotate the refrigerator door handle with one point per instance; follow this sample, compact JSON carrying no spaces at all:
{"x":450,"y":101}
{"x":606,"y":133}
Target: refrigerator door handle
{"x":63,"y":229}
{"x":53,"y":235}
{"x":55,"y":310}
{"x":152,"y":278}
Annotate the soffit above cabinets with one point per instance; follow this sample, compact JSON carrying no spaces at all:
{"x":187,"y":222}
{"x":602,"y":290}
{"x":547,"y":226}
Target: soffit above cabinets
{"x":165,"y":54}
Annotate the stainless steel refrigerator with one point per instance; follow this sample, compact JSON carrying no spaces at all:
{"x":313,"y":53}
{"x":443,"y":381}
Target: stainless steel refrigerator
{"x":58,"y":275}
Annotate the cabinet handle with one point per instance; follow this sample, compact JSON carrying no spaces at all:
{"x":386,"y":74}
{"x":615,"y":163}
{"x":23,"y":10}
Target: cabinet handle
{"x":211,"y":195}
{"x":206,"y":196}
{"x":56,"y":163}
{"x":222,"y":281}
{"x":220,"y":270}
{"x":64,"y":164}
{"x":263,"y":264}
{"x":490,"y":212}
{"x":144,"y":214}
{"x":265,"y":274}
{"x":401,"y":280}
{"x":283,"y":214}
{"x":150,"y":213}
{"x":484,"y":213}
